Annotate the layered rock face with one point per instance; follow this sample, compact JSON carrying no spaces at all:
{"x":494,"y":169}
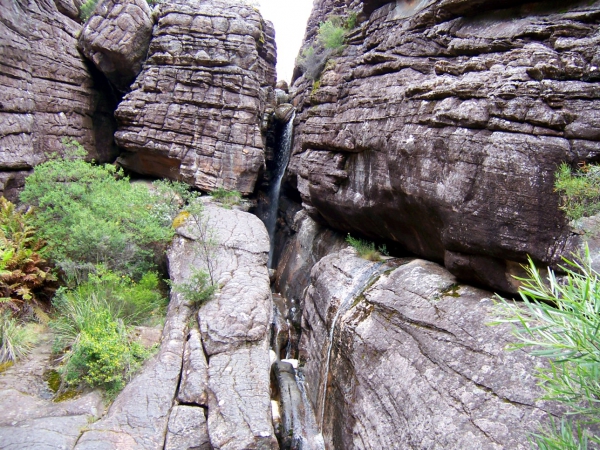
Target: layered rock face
{"x":48,"y":92}
{"x":398,"y":355}
{"x":195,"y":111}
{"x":116,"y":39}
{"x":209,"y":385}
{"x":442,"y":123}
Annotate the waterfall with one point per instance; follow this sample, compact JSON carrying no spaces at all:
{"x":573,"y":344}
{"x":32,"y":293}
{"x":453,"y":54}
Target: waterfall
{"x":281,"y":161}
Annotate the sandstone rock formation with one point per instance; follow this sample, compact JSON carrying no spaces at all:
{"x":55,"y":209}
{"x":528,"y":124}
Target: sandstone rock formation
{"x":442,"y":123}
{"x":413,"y":362}
{"x":116,"y":39}
{"x":48,"y":92}
{"x":195,"y":111}
{"x":181,"y":400}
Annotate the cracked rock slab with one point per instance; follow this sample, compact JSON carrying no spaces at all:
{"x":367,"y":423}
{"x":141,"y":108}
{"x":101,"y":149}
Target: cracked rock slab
{"x":194,"y":373}
{"x":187,"y":429}
{"x":414,"y":363}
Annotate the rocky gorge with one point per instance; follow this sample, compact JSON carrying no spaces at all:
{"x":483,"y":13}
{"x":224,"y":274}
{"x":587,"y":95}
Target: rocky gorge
{"x":435,"y":130}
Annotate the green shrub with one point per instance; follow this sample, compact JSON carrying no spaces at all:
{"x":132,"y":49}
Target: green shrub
{"x":16,"y":340}
{"x":93,"y":327}
{"x":198,"y":289}
{"x":24,"y":274}
{"x":87,"y":9}
{"x":92,"y":214}
{"x":227,"y":198}
{"x":365,"y":249}
{"x":561,"y":322}
{"x":580,"y":190}
{"x":331,"y":34}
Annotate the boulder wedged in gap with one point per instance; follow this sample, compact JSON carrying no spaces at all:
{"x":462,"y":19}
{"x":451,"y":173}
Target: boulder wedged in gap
{"x":441,"y":124}
{"x":116,"y":38}
{"x":187,"y":429}
{"x":195,"y":111}
{"x":194,"y":373}
{"x":413,"y":362}
{"x":234,"y":325}
{"x":48,"y":92}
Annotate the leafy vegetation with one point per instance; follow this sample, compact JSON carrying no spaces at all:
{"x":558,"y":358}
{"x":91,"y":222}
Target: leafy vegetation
{"x":330,"y":40}
{"x":227,"y":198}
{"x":580,"y":190}
{"x":24,"y":274}
{"x":198,"y":288}
{"x":91,"y":214}
{"x":561,"y":323}
{"x":366,"y":249}
{"x":16,"y":340}
{"x":87,"y":9}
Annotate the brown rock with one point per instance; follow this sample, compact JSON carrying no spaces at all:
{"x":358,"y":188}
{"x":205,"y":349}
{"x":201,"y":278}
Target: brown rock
{"x":195,"y":111}
{"x":48,"y":93}
{"x":443,"y":133}
{"x":116,"y":39}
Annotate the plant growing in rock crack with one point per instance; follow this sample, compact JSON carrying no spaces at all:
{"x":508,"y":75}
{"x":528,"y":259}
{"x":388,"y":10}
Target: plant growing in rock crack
{"x":561,"y":323}
{"x":579,"y":189}
{"x":366,"y":249}
{"x":227,"y":198}
{"x":201,"y":284}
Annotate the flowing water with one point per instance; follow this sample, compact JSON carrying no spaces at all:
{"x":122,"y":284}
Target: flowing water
{"x":361,"y":282}
{"x":282,"y":158}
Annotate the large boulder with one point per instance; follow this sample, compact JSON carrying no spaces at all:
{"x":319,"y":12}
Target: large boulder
{"x":441,"y":124}
{"x":195,"y":111}
{"x":48,"y":92}
{"x":396,"y":354}
{"x":116,"y":39}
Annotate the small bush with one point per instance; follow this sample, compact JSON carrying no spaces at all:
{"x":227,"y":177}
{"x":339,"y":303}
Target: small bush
{"x":16,"y":340}
{"x":331,"y":34}
{"x":365,"y":249}
{"x":227,"y":198}
{"x":580,"y":190}
{"x":24,"y":274}
{"x":561,"y":322}
{"x":87,"y":9}
{"x":92,"y":327}
{"x":92,"y":214}
{"x":198,"y":289}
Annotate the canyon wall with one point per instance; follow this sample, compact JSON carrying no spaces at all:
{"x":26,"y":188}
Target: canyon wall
{"x":440,"y":126}
{"x":48,"y":93}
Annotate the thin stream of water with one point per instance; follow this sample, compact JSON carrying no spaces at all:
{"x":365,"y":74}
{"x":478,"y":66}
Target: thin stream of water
{"x":361,"y":282}
{"x":282,"y":159}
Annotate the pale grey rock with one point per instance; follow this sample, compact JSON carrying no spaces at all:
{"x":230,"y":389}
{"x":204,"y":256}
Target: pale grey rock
{"x":187,"y":429}
{"x":195,"y":111}
{"x":116,"y":39}
{"x":194,"y":373}
{"x":234,"y":324}
{"x":239,"y":405}
{"x":414,"y":363}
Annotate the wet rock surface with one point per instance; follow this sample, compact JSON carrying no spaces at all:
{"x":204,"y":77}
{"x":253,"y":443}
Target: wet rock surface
{"x":48,"y":92}
{"x":29,"y":418}
{"x":195,"y":111}
{"x":413,"y":362}
{"x":116,"y":39}
{"x":441,"y":125}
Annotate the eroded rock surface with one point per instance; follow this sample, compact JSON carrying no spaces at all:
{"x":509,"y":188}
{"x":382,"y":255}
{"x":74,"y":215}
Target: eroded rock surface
{"x":195,"y":111}
{"x":116,"y":39}
{"x":48,"y":92}
{"x":234,"y":325}
{"x":413,"y":362}
{"x":442,"y":123}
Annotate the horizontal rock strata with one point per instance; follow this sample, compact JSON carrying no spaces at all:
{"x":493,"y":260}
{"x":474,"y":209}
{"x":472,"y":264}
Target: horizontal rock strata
{"x":48,"y":92}
{"x":195,"y":111}
{"x":441,"y":124}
